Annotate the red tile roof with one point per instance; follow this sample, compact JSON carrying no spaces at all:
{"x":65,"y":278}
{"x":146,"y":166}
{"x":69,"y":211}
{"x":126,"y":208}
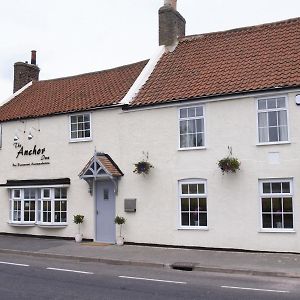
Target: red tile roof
{"x":75,"y":93}
{"x":229,"y":62}
{"x":105,"y":161}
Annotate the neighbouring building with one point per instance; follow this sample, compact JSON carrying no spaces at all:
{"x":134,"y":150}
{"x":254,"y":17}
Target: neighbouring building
{"x":71,"y":145}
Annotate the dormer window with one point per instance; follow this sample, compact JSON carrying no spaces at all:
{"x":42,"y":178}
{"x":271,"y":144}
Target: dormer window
{"x":80,"y":127}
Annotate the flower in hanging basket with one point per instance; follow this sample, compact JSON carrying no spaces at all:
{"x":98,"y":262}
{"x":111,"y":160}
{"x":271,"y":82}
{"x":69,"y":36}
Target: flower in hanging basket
{"x":229,"y":164}
{"x":142,"y":167}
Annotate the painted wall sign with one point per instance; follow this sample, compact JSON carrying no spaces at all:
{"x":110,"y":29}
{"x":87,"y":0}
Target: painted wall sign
{"x":37,"y":152}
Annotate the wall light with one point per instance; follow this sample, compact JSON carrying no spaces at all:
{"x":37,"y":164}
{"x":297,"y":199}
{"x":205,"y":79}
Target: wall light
{"x":30,"y":135}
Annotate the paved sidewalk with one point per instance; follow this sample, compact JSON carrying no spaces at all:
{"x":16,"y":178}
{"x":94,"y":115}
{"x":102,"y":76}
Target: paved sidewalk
{"x":272,"y":264}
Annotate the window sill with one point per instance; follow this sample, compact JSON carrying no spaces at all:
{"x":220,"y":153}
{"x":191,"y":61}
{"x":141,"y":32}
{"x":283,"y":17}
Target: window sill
{"x":81,"y":140}
{"x":273,"y":143}
{"x":277,"y":231}
{"x":21,"y":224}
{"x":52,"y":226}
{"x":203,"y":228}
{"x":192,"y":148}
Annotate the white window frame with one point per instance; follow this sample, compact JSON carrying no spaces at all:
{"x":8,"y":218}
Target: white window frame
{"x":273,"y":109}
{"x":85,"y":139}
{"x":190,"y":118}
{"x":276,"y":195}
{"x":180,"y":195}
{"x":22,"y":209}
{"x":38,"y":206}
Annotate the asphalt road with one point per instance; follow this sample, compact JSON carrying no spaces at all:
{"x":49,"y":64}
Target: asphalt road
{"x":24,"y":277}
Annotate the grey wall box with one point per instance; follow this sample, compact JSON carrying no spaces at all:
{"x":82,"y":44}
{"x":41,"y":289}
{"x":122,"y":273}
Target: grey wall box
{"x":130,"y":205}
{"x":297,"y":99}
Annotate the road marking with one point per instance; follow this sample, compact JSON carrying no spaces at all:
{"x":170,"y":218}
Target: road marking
{"x":9,"y":263}
{"x":151,"y":279}
{"x":67,"y":270}
{"x":252,"y":289}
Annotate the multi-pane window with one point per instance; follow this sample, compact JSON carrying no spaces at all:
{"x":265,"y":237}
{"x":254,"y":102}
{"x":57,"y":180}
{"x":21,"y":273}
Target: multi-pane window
{"x":35,"y":205}
{"x":193,"y":206}
{"x":29,"y":205}
{"x":272,"y":120}
{"x":60,"y":205}
{"x":191,"y":127}
{"x":276,"y":204}
{"x":80,"y":126}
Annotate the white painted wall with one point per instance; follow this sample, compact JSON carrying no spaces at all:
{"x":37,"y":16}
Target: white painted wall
{"x":233,"y":199}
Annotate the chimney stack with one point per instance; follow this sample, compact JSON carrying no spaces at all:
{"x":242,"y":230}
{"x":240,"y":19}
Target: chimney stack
{"x":24,"y":72}
{"x":33,"y":57}
{"x":171,"y":23}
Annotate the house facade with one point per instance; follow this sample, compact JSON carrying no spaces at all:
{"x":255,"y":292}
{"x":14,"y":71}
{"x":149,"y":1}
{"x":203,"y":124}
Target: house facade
{"x":71,"y":145}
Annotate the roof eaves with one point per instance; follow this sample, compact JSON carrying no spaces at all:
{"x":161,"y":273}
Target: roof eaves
{"x":61,"y":113}
{"x":211,"y":96}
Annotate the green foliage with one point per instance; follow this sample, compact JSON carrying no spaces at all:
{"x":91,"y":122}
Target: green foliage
{"x":142,"y":167}
{"x":229,"y":164}
{"x":120,"y":220}
{"x":78,"y":219}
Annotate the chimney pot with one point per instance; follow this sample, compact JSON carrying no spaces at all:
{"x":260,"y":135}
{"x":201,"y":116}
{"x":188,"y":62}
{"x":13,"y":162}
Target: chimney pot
{"x":33,"y":57}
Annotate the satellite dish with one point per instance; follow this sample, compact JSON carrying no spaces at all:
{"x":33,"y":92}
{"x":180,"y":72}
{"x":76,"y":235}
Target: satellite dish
{"x":298,"y":99}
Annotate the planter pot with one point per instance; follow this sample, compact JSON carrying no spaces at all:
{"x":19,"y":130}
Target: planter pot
{"x":120,"y":241}
{"x":78,"y":237}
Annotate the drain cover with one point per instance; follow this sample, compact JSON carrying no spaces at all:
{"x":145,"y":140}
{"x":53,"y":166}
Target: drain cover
{"x":183,"y":266}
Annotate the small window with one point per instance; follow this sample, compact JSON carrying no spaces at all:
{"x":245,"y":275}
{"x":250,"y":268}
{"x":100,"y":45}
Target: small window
{"x":276,"y":204}
{"x":272,"y":120}
{"x":105,"y":194}
{"x":193,"y":206}
{"x":191,"y":127}
{"x":80,"y":127}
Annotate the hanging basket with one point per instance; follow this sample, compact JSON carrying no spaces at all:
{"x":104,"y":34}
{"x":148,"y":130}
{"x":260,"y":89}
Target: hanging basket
{"x":229,"y":164}
{"x":142,"y":167}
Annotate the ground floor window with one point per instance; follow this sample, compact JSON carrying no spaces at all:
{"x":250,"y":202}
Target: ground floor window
{"x":38,"y":206}
{"x":193,"y":206}
{"x":276,"y":198}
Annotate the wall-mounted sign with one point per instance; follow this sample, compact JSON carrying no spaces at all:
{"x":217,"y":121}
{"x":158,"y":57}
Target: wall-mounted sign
{"x":35,"y":152}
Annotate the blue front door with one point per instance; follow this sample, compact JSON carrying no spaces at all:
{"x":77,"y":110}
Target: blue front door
{"x":105,"y":204}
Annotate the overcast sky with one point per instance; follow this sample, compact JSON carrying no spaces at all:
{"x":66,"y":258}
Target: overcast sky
{"x":78,"y":36}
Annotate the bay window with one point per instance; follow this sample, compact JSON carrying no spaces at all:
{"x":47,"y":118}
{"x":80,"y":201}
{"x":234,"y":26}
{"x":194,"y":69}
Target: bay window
{"x":44,"y":206}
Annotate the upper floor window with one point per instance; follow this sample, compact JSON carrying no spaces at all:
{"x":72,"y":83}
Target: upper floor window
{"x":80,"y":127}
{"x":191,"y":127}
{"x":272,"y":120}
{"x":193,"y":206}
{"x":276,"y":204}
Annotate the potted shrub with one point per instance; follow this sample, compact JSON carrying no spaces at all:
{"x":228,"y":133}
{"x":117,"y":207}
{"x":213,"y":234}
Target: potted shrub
{"x":229,"y":163}
{"x":78,"y":219}
{"x":120,"y":221}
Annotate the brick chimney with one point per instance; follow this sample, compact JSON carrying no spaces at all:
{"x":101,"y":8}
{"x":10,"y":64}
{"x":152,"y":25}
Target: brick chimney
{"x":25,"y":72}
{"x":171,"y":23}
